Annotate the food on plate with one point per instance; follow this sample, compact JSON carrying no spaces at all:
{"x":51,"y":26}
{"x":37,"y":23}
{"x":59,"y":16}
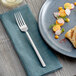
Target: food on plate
{"x":56,"y":27}
{"x":67,"y":19}
{"x":58,"y":32}
{"x":61,"y":17}
{"x":68,"y":5}
{"x":56,"y":14}
{"x":60,"y":21}
{"x":56,"y":36}
{"x":71,"y":35}
{"x":62,"y":13}
{"x":75,"y":3}
{"x":72,"y":6}
{"x":62,"y":30}
{"x":60,"y":8}
{"x":67,"y":11}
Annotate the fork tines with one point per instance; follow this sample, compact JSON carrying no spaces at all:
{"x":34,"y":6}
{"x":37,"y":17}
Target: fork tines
{"x":19,"y":19}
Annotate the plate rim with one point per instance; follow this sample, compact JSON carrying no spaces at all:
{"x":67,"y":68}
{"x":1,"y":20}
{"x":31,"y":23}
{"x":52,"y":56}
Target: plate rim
{"x":41,"y":32}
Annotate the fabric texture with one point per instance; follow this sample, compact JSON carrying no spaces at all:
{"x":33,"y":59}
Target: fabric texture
{"x":23,"y":47}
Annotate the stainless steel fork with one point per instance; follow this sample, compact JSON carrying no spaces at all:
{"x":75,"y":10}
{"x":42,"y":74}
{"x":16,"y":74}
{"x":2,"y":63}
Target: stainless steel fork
{"x":23,"y":27}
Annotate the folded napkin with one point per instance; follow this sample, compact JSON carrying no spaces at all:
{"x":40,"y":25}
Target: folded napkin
{"x":23,"y":47}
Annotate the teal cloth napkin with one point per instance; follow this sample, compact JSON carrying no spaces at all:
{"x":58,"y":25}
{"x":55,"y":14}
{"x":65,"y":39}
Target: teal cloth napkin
{"x":23,"y":47}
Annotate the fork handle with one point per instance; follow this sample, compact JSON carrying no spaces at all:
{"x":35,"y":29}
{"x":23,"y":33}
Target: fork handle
{"x":35,"y":49}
